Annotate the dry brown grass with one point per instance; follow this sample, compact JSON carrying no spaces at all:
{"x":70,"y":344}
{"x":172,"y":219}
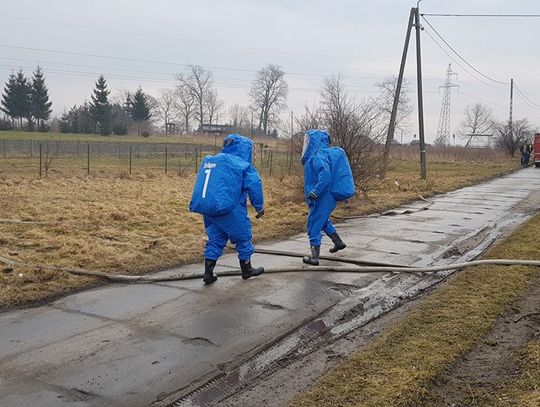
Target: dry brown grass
{"x":398,"y":368}
{"x":115,"y":222}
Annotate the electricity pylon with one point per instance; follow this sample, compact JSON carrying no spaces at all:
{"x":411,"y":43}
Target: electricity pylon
{"x":443,"y":131}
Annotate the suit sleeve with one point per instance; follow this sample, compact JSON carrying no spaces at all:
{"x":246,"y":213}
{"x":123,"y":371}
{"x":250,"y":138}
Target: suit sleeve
{"x":253,"y":187}
{"x":322,"y":171}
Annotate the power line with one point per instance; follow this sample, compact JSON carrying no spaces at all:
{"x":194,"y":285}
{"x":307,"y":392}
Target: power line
{"x":483,"y":100}
{"x":163,"y":37}
{"x":88,"y":74}
{"x":482,"y":15}
{"x":167,"y":75}
{"x":458,"y":63}
{"x":525,"y":98}
{"x":158,"y":62}
{"x":460,"y":57}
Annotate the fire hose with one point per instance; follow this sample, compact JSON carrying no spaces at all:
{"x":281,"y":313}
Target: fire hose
{"x":370,"y":268}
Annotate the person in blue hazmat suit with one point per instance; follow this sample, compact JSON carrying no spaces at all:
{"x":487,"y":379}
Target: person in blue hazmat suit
{"x":223,"y":183}
{"x":327,"y":179}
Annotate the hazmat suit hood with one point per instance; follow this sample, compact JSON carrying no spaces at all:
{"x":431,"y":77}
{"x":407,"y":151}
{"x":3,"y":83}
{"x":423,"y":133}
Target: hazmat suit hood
{"x":316,"y":140}
{"x":239,"y":146}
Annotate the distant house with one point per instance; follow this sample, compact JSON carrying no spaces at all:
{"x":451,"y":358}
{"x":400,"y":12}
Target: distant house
{"x":215,"y":128}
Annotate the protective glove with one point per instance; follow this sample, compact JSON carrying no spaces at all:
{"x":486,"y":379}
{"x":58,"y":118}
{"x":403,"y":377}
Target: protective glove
{"x":312,"y":196}
{"x":259,"y":214}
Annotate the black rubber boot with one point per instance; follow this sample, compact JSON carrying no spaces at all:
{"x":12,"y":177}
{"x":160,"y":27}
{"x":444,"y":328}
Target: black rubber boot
{"x":313,"y":260}
{"x":338,"y":243}
{"x":209,"y":276}
{"x":248,"y":271}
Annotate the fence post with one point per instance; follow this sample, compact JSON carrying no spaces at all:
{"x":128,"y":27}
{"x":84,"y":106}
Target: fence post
{"x":166,"y":158}
{"x":4,"y":148}
{"x":271,"y":160}
{"x":78,"y":147}
{"x":138,"y":150}
{"x":261,"y":154}
{"x":87,"y":158}
{"x":40,"y":158}
{"x":130,"y":159}
{"x":196,"y":160}
{"x":99,"y":149}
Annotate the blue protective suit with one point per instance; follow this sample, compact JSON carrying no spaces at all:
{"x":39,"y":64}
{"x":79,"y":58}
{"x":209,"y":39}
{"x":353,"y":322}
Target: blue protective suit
{"x":318,"y":181}
{"x":220,"y":194}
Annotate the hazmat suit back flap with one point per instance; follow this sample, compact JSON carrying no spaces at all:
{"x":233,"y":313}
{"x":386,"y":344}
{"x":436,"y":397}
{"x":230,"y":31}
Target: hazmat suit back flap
{"x":326,"y":169}
{"x":342,"y":186}
{"x":224,"y":180}
{"x":218,"y":187}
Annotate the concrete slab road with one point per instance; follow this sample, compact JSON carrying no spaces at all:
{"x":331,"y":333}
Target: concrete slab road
{"x":131,"y":344}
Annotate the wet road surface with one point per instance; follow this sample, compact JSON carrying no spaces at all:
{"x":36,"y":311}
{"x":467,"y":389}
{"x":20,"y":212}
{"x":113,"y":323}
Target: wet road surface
{"x":130,"y":344}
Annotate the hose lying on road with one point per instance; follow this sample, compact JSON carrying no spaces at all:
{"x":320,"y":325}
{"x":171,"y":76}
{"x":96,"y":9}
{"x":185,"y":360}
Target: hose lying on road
{"x":331,"y":258}
{"x":356,"y":269}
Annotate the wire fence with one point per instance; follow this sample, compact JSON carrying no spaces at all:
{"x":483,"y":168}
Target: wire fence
{"x":76,"y":158}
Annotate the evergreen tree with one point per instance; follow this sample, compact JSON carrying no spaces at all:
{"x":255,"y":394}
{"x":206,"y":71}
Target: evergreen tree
{"x":41,"y":106}
{"x":121,"y":120}
{"x":100,"y":107}
{"x":85,"y":121}
{"x":138,"y":108}
{"x":23,"y":99}
{"x":9,"y":105}
{"x":16,"y":101}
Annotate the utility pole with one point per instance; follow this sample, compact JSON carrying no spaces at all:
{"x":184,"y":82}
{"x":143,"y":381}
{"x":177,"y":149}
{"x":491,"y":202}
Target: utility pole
{"x":393,"y":115}
{"x":420,"y":99}
{"x":510,"y":125}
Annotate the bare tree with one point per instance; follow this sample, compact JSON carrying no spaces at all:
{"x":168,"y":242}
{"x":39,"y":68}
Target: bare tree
{"x":385,"y":103}
{"x":357,"y":127}
{"x":510,"y":137}
{"x":199,"y":83}
{"x":164,"y":106}
{"x":184,"y":105}
{"x":214,"y":106}
{"x":385,"y":100}
{"x":268,"y":95}
{"x":240,"y":117}
{"x":478,"y":120}
{"x":120,"y":96}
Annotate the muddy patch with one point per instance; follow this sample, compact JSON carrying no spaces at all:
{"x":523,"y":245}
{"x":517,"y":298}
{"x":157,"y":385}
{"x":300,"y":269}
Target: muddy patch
{"x":491,"y":364}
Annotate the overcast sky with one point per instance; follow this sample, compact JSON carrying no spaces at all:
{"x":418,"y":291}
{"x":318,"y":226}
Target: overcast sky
{"x":361,"y":40}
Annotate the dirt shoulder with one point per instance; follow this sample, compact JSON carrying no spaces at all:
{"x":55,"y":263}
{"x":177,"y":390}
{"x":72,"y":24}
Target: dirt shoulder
{"x":503,"y":368}
{"x":412,"y":361}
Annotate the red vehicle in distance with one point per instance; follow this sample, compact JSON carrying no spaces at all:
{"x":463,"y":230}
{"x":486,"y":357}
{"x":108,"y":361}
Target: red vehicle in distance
{"x":536,"y":148}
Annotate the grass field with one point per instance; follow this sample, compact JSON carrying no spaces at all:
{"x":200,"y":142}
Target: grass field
{"x":398,"y":368}
{"x":140,"y":223}
{"x":181,"y":139}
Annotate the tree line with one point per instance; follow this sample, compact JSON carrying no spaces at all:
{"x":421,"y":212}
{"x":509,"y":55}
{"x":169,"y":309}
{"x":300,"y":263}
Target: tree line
{"x":192,"y":103}
{"x":102,"y":116}
{"x":26,"y":99}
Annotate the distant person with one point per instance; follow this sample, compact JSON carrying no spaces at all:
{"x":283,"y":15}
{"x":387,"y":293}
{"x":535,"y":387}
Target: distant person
{"x":522,"y":151}
{"x":528,"y":152}
{"x":223,"y":183}
{"x":327,"y":179}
